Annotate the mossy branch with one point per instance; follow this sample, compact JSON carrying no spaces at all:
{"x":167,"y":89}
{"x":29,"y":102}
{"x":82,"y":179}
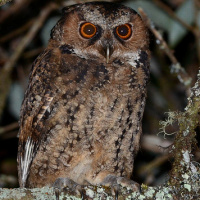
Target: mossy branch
{"x":90,"y":193}
{"x":185,"y":172}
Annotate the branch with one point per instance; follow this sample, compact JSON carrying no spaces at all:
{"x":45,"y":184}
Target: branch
{"x":193,"y":29}
{"x":90,"y":193}
{"x":185,"y":172}
{"x":171,"y":13}
{"x":5,"y":72}
{"x":8,"y":128}
{"x":185,"y":141}
{"x":13,"y":9}
{"x":176,"y":67}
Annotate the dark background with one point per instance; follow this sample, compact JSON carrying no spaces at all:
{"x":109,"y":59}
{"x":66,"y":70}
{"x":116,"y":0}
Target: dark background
{"x":165,"y":92}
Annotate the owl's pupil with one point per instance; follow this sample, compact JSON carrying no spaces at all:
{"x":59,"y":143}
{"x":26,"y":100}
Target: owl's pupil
{"x":89,"y":30}
{"x":123,"y":30}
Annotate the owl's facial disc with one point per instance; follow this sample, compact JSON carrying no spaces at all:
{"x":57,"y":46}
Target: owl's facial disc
{"x":104,"y":31}
{"x":112,"y":38}
{"x":89,"y":31}
{"x":105,"y":38}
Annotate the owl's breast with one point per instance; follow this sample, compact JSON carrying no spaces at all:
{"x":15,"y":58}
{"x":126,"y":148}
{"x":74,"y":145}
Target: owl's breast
{"x":95,"y":94}
{"x":94,"y":120}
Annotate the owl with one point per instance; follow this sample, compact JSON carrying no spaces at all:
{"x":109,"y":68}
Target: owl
{"x":81,"y":115}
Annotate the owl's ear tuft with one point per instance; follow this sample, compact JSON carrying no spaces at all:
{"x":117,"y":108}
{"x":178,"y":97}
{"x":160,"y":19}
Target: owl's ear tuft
{"x":55,"y":33}
{"x":57,"y":30}
{"x":68,"y":9}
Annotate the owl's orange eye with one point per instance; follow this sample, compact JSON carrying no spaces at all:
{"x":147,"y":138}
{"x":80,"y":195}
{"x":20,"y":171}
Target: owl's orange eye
{"x":88,"y":30}
{"x":124,"y":31}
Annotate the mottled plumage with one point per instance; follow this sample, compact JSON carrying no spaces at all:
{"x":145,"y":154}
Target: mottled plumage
{"x":82,"y":111}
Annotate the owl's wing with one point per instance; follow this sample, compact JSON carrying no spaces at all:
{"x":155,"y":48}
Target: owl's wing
{"x":35,"y":106}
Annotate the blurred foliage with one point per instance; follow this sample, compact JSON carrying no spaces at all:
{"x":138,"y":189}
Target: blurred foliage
{"x":172,"y":28}
{"x":165,"y":92}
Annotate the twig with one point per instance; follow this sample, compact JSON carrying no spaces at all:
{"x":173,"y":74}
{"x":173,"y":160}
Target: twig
{"x":16,"y":32}
{"x":153,"y":164}
{"x":197,"y":31}
{"x":22,"y":77}
{"x":8,"y":180}
{"x":33,"y":52}
{"x":14,"y":8}
{"x":153,"y":143}
{"x":173,"y":15}
{"x":176,"y":66}
{"x":197,"y":3}
{"x":194,"y":29}
{"x":9,"y":127}
{"x":30,"y":35}
{"x":10,"y":135}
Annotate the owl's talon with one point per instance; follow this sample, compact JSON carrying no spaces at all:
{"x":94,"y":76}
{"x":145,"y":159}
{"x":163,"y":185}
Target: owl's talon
{"x":63,"y":183}
{"x":57,"y":193}
{"x":116,"y":195}
{"x":115,"y":190}
{"x":115,"y":182}
{"x":82,"y":195}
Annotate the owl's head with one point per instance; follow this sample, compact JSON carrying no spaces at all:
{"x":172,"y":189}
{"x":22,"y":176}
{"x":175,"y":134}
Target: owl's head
{"x":102,"y":30}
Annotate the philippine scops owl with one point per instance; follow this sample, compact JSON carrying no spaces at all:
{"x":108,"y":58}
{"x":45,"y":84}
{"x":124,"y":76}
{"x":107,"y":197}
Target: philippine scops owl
{"x":82,"y":111}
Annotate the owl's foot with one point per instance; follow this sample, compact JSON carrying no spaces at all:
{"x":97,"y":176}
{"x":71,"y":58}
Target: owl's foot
{"x":115,"y":182}
{"x":62,"y":184}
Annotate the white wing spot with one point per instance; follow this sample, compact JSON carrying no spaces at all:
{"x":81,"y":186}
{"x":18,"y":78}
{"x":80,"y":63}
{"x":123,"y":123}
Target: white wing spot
{"x":26,"y":159}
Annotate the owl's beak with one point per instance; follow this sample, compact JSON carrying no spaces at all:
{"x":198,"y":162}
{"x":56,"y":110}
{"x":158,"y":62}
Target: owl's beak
{"x":107,"y":49}
{"x":107,"y":54}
